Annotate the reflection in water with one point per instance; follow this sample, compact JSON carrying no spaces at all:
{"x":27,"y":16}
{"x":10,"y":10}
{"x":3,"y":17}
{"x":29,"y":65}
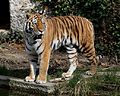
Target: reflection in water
{"x":20,"y":93}
{"x":4,"y":92}
{"x":12,"y":92}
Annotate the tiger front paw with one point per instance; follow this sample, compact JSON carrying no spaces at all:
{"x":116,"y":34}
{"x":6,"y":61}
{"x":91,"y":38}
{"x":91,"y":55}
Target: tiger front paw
{"x":29,"y":79}
{"x":40,"y":81}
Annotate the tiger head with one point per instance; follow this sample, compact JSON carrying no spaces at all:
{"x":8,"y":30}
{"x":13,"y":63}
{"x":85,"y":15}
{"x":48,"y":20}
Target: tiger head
{"x":35,"y":24}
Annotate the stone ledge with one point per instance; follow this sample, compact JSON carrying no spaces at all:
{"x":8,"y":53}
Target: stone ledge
{"x":32,"y":87}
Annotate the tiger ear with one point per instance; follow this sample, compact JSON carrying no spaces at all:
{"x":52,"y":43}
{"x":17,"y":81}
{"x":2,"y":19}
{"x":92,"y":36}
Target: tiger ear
{"x":44,"y":11}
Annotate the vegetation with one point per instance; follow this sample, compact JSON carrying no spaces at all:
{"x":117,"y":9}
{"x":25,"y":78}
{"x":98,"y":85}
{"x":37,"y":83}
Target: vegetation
{"x":105,"y":15}
{"x":107,"y":84}
{"x":16,"y":37}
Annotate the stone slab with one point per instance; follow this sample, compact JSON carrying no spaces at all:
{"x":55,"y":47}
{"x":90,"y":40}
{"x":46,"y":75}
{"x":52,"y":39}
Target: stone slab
{"x":20,"y":84}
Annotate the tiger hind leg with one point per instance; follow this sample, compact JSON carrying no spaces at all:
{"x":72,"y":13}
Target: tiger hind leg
{"x":91,"y":56}
{"x":93,"y":68}
{"x":72,"y":56}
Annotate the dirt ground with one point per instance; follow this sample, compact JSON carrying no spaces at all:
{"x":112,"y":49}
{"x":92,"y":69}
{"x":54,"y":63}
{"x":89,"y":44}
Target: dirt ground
{"x":13,"y":56}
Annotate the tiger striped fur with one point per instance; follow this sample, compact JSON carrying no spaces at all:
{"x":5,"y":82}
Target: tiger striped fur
{"x":42,"y":35}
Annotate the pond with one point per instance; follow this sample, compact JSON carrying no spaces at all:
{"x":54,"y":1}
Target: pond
{"x":4,"y":92}
{"x":10,"y":92}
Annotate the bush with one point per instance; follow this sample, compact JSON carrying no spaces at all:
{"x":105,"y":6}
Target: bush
{"x":105,"y":15}
{"x":9,"y":36}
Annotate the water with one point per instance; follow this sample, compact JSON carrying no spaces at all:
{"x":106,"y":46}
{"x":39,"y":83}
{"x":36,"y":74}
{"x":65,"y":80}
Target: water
{"x":10,"y":92}
{"x":4,"y":92}
{"x":15,"y":92}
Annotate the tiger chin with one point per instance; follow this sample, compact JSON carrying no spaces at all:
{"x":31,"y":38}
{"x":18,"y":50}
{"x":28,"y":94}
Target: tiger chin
{"x":43,"y":34}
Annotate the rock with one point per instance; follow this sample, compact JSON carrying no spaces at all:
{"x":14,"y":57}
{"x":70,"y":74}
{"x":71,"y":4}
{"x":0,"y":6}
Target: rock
{"x":31,"y":87}
{"x":17,"y":13}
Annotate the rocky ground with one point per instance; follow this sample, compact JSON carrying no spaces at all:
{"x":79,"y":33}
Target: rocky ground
{"x":12,"y":56}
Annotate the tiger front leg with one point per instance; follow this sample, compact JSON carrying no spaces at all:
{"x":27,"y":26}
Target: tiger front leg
{"x":33,"y":60}
{"x":43,"y":68}
{"x":32,"y":74}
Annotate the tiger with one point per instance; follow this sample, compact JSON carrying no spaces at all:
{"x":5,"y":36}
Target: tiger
{"x":43,"y":34}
